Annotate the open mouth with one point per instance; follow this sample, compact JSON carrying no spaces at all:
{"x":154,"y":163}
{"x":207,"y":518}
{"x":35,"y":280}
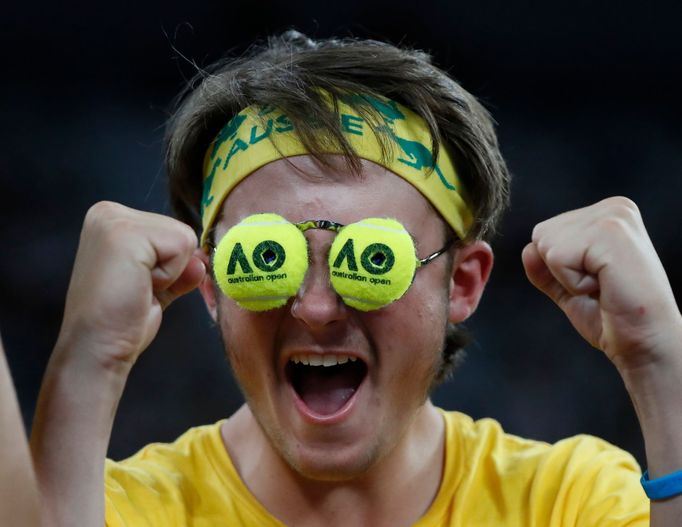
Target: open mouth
{"x":325,"y":383}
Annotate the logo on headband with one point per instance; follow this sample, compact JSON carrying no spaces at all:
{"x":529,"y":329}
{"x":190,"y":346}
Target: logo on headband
{"x":257,"y":136}
{"x":414,"y":153}
{"x":419,"y":154}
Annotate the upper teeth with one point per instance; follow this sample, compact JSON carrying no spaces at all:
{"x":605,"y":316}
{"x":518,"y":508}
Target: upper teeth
{"x":328,"y":359}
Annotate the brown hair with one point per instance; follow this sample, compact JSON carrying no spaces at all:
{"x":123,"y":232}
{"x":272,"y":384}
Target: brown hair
{"x":288,"y":72}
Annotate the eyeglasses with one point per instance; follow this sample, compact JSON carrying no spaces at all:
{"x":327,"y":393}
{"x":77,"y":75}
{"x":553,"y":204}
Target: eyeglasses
{"x":261,"y":262}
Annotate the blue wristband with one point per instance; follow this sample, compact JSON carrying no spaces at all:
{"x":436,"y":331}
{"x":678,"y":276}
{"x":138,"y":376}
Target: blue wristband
{"x":663,"y":487}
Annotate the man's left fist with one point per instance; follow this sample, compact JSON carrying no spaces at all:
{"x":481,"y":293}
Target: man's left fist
{"x":600,"y":267}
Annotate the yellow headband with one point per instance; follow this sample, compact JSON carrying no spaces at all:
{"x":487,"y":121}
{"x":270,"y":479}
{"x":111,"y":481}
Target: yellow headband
{"x":257,"y":136}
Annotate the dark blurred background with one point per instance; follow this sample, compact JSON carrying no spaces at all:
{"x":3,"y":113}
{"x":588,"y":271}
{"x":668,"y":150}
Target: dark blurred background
{"x":587,"y":97}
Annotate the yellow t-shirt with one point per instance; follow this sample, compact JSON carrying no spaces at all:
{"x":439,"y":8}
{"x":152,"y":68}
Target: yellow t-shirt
{"x":490,"y":479}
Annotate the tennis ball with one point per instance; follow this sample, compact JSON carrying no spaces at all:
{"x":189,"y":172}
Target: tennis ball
{"x":261,"y":262}
{"x":372,"y":263}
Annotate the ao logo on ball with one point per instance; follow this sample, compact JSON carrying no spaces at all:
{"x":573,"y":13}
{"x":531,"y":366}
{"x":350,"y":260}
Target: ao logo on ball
{"x":260,"y":262}
{"x":376,"y":259}
{"x":385,"y":267}
{"x":268,"y":256}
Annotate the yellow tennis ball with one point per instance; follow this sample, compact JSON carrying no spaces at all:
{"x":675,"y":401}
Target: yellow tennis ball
{"x":261,"y":262}
{"x":372,"y":263}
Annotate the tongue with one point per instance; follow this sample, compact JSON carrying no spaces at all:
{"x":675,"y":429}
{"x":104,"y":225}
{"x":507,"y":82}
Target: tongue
{"x":326,"y":390}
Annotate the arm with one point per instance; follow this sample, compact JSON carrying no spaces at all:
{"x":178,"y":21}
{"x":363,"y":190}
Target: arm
{"x":129,"y":266}
{"x":19,"y":504}
{"x":599,"y":266}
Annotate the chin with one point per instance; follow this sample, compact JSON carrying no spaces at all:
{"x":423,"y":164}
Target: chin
{"x":332,"y":464}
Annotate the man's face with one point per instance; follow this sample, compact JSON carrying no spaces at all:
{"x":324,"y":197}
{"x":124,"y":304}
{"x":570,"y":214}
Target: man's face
{"x":334,"y":423}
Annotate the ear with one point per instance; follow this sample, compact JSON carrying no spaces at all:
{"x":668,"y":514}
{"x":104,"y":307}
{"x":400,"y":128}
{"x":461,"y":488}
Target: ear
{"x":207,"y":288}
{"x":471,"y":268}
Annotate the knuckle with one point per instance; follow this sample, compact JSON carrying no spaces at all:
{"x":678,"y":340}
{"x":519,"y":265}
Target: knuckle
{"x":552,"y":257}
{"x":622,"y":207}
{"x":542,"y":244}
{"x":105,"y":217}
{"x":622,"y":215}
{"x":102,"y":209}
{"x":614,"y":225}
{"x":538,"y":230}
{"x":189,"y":237}
{"x":114,"y":223}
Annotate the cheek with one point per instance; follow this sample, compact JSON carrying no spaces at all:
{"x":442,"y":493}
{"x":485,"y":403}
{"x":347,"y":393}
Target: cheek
{"x":413,"y":333}
{"x":249,"y":339}
{"x":425,"y":308}
{"x":428,"y":315}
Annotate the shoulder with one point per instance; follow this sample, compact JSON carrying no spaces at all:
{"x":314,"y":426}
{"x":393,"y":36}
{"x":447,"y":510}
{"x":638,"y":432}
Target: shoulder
{"x":578,"y":478}
{"x":162,"y":478}
{"x":181,"y":454}
{"x":487,"y":437}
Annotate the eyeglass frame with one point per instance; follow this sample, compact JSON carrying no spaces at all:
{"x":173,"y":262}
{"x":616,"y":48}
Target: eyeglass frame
{"x":333,"y":226}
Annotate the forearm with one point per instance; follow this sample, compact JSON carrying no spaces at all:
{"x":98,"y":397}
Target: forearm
{"x":656,"y":392}
{"x":129,"y":266}
{"x":71,"y":432}
{"x":19,"y":503}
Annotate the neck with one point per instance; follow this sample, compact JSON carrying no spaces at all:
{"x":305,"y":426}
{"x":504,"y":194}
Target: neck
{"x":397,"y":490}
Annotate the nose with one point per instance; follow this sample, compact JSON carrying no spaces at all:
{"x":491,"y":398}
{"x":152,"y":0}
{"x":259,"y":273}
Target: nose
{"x":316,"y":304}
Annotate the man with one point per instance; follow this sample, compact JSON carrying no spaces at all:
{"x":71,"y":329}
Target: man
{"x":328,"y":138}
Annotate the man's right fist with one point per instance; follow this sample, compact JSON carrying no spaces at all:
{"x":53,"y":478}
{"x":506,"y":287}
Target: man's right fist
{"x":130,"y":265}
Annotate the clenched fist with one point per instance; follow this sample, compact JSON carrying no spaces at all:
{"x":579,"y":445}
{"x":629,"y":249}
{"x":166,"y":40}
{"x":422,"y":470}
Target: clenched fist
{"x":599,"y":266}
{"x":130,"y":265}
